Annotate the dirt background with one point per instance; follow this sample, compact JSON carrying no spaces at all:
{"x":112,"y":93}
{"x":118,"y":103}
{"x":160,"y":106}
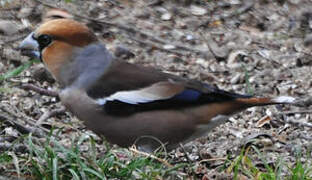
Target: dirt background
{"x":260,"y":47}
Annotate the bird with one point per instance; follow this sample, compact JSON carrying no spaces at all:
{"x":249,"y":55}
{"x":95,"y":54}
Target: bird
{"x":129,"y":103}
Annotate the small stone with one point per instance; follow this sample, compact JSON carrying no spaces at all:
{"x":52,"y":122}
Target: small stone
{"x":193,"y":23}
{"x":193,"y":157}
{"x":265,"y":142}
{"x":83,"y":148}
{"x":204,"y":154}
{"x":198,"y":11}
{"x":297,"y":116}
{"x":123,"y":52}
{"x":28,"y":104}
{"x":299,"y":46}
{"x":235,"y":79}
{"x":169,"y":46}
{"x":220,"y":52}
{"x":25,"y":80}
{"x":181,"y":25}
{"x":26,"y":23}
{"x":234,"y":56}
{"x":8,"y":27}
{"x":235,"y":2}
{"x":166,"y":17}
{"x":24,"y":12}
{"x":189,"y":37}
{"x":41,"y":74}
{"x":224,"y":4}
{"x":237,"y":87}
{"x":252,"y":79}
{"x":175,"y":58}
{"x":294,"y":1}
{"x":308,"y":40}
{"x":268,"y":112}
{"x":178,"y":34}
{"x":202,"y":62}
{"x":9,"y":131}
{"x":1,"y":66}
{"x":143,"y":14}
{"x":11,"y":54}
{"x":161,"y":10}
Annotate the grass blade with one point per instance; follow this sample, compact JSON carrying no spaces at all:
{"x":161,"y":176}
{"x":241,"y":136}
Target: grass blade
{"x":94,"y":173}
{"x":74,"y":174}
{"x":54,"y":168}
{"x":18,"y":70}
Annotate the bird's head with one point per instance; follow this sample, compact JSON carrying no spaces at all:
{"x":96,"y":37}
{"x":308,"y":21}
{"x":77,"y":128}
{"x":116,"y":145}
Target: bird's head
{"x":55,"y":42}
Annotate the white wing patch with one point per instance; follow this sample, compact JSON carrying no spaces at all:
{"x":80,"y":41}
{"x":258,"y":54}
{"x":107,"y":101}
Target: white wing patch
{"x":131,"y":97}
{"x":158,"y":91}
{"x":284,"y":99}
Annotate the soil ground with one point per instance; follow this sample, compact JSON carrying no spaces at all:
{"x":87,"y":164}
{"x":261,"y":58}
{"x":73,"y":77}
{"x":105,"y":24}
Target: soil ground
{"x":258,"y":47}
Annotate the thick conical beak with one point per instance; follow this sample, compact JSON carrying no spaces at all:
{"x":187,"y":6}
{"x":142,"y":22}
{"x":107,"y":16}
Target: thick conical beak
{"x":30,"y":47}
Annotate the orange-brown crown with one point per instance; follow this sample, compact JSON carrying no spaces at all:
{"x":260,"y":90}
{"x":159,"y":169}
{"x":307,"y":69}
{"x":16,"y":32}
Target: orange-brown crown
{"x":68,"y":31}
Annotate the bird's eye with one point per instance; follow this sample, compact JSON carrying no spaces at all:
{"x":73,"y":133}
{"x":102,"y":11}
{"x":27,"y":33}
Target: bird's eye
{"x":44,"y":40}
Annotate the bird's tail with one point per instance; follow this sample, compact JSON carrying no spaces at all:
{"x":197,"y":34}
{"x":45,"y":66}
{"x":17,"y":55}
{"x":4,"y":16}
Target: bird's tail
{"x":212,"y":110}
{"x":261,"y":101}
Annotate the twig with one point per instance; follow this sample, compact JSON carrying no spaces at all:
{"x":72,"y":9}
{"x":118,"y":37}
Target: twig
{"x":134,"y":150}
{"x":295,"y":112}
{"x":51,"y":113}
{"x":296,"y":123}
{"x":37,"y":131}
{"x":245,"y":8}
{"x":208,"y":41}
{"x":306,"y":102}
{"x":7,"y":138}
{"x":39,"y":90}
{"x":20,"y":148}
{"x":212,"y":159}
{"x":286,"y":126}
{"x":17,"y":115}
{"x":293,"y":122}
{"x":305,"y":137}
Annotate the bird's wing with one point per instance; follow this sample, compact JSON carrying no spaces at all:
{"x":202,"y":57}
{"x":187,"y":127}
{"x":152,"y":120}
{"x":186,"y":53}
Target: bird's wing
{"x":124,"y":88}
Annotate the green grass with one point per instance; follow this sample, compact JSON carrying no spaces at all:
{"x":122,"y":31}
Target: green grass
{"x":52,"y":160}
{"x":280,"y":170}
{"x":248,"y":89}
{"x":18,"y":70}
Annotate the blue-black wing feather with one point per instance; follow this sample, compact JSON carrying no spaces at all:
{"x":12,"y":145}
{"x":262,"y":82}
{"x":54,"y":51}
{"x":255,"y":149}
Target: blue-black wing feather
{"x":187,"y":98}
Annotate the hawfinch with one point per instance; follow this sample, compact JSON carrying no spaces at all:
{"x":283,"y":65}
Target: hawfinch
{"x":128,"y":103}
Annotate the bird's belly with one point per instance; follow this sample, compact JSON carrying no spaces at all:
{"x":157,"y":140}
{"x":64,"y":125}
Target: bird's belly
{"x":148,"y":128}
